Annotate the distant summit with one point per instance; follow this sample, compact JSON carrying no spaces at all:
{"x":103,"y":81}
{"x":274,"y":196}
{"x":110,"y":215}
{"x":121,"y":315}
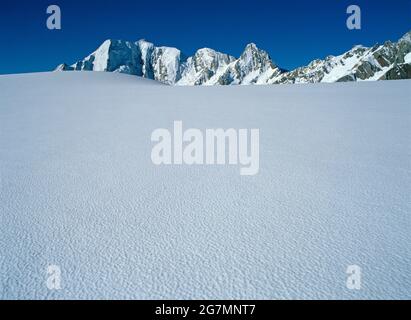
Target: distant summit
{"x":391,"y":60}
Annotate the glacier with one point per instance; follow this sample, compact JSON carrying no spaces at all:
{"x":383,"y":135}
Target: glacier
{"x":79,"y":190}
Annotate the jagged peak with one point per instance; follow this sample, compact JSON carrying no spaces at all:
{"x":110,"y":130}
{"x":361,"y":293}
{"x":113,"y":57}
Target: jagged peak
{"x":63,"y":67}
{"x":206,"y":51}
{"x":144,"y":42}
{"x":168,"y":49}
{"x":211,"y":52}
{"x":251,"y":46}
{"x":256,"y":58}
{"x":104,"y":46}
{"x":109,"y":43}
{"x":406,"y":37}
{"x":358,"y":46}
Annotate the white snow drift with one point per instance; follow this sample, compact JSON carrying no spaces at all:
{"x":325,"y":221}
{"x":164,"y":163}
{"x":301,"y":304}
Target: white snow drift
{"x":79,"y":191}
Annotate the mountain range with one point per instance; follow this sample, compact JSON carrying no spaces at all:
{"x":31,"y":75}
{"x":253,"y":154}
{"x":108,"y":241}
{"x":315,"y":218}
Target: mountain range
{"x":388,"y":61}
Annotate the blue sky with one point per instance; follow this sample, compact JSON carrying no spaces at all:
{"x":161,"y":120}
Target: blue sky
{"x":294,"y":32}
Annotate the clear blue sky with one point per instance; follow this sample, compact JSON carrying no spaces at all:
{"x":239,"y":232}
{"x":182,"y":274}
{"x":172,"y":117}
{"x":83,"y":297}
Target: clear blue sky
{"x":294,"y":32}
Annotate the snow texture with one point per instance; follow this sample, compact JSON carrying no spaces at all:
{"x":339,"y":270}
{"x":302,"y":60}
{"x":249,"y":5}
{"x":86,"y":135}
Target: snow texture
{"x":79,"y":190}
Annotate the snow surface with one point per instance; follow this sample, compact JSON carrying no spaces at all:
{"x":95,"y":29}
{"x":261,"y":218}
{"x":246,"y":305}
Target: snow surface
{"x":79,"y":190}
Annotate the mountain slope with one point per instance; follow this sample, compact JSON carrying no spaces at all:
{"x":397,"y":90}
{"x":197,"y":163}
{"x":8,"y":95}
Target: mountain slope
{"x":209,"y":67}
{"x":380,"y":62}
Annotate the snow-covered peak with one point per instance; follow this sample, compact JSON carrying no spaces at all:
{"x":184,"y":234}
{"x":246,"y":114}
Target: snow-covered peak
{"x":251,"y":47}
{"x":145,"y":46}
{"x":255,"y":66}
{"x":207,"y":58}
{"x":254,"y":58}
{"x":204,"y":65}
{"x":63,"y":67}
{"x":387,"y":61}
{"x":166,"y":62}
{"x":210,"y":53}
{"x":98,"y":60}
{"x":358,"y":47}
{"x":144,"y":42}
{"x":206,"y":51}
{"x":406,"y":37}
{"x":113,"y":56}
{"x":251,"y":50}
{"x":104,"y":48}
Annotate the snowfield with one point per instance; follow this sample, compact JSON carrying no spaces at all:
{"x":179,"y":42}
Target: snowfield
{"x":79,"y":190}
